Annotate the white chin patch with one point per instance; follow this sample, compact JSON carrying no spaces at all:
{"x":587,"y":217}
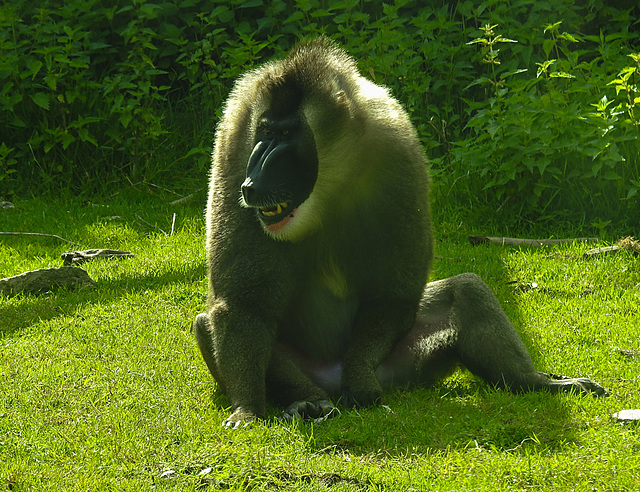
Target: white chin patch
{"x":294,"y":226}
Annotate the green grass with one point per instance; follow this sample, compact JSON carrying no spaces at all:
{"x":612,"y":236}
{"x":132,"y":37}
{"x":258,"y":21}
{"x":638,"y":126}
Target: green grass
{"x":104,"y":389}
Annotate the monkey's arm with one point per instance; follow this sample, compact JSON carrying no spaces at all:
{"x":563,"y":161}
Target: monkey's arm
{"x":286,"y":382}
{"x":237,"y":348}
{"x":378,"y":327}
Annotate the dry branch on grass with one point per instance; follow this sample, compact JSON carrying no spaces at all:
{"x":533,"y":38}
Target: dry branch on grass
{"x":624,"y":244}
{"x":536,"y":243}
{"x":36,"y":234}
{"x":78,"y":257}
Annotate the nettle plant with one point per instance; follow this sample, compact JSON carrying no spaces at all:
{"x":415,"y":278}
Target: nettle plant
{"x":535,"y":143}
{"x":627,"y":82}
{"x":619,"y":124}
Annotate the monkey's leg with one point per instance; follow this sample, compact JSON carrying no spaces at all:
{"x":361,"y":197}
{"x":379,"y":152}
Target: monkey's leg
{"x":378,"y":327}
{"x":480,"y":336}
{"x":236,"y":348}
{"x":285,"y":381}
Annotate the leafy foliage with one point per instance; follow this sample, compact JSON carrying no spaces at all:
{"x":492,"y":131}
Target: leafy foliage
{"x":539,"y":143}
{"x":527,"y":109}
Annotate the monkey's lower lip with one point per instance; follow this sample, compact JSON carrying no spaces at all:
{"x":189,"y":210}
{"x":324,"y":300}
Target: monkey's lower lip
{"x":275,"y":217}
{"x":278,"y":226}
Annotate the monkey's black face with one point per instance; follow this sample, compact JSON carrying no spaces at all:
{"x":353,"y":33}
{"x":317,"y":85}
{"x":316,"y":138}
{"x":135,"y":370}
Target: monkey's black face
{"x":282,"y":169}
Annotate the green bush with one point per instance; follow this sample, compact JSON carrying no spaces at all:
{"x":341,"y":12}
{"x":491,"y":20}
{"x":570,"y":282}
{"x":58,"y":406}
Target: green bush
{"x":550,"y":143}
{"x":93,"y":94}
{"x":98,"y":94}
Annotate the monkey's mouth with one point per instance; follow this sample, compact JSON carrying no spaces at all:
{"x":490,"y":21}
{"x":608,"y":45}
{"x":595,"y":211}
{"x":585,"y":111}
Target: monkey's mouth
{"x":274,"y":218}
{"x":271,"y":212}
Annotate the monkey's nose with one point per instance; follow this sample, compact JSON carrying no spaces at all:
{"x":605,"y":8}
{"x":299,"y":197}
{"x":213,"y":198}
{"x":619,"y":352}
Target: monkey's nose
{"x":249,"y":193}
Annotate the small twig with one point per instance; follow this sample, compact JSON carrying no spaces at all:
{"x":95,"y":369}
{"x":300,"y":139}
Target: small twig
{"x":605,"y":250}
{"x":36,"y":234}
{"x":160,"y":188}
{"x":173,"y":224}
{"x":519,"y":445}
{"x":184,"y":199}
{"x":144,"y":222}
{"x":77,"y":257}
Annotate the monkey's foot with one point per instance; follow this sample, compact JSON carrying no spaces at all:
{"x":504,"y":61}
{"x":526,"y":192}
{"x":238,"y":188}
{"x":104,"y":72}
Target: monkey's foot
{"x":362,"y":397}
{"x":239,"y":418}
{"x":318,"y":410}
{"x":584,"y":386}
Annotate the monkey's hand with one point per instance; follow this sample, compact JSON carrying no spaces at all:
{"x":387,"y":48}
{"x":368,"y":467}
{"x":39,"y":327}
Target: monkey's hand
{"x":584,"y":386}
{"x":303,"y":410}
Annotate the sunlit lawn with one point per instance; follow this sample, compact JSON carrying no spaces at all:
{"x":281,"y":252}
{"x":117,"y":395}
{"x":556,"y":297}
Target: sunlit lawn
{"x":104,"y":389}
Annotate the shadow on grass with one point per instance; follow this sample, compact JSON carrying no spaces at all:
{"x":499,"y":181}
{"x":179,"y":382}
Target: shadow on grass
{"x":71,"y":218}
{"x":23,"y":310}
{"x":453,"y":415}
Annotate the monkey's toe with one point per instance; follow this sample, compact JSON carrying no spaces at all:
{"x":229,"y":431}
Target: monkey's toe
{"x":239,"y":418}
{"x":589,"y":387}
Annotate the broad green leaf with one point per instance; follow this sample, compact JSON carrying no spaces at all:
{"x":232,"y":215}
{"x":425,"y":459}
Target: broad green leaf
{"x":561,"y":75}
{"x":41,"y":99}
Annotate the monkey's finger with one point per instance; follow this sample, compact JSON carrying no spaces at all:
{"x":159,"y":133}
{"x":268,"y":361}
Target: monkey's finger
{"x":300,"y":410}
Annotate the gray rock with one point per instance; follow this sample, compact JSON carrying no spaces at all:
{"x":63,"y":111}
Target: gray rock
{"x":46,"y":279}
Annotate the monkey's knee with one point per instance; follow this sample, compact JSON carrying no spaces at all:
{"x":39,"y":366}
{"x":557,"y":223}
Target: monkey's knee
{"x":469,"y":287}
{"x":460,"y":295}
{"x":200,"y":328}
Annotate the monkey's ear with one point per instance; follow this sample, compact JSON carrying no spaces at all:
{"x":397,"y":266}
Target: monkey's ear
{"x":341,"y":98}
{"x":342,"y":101}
